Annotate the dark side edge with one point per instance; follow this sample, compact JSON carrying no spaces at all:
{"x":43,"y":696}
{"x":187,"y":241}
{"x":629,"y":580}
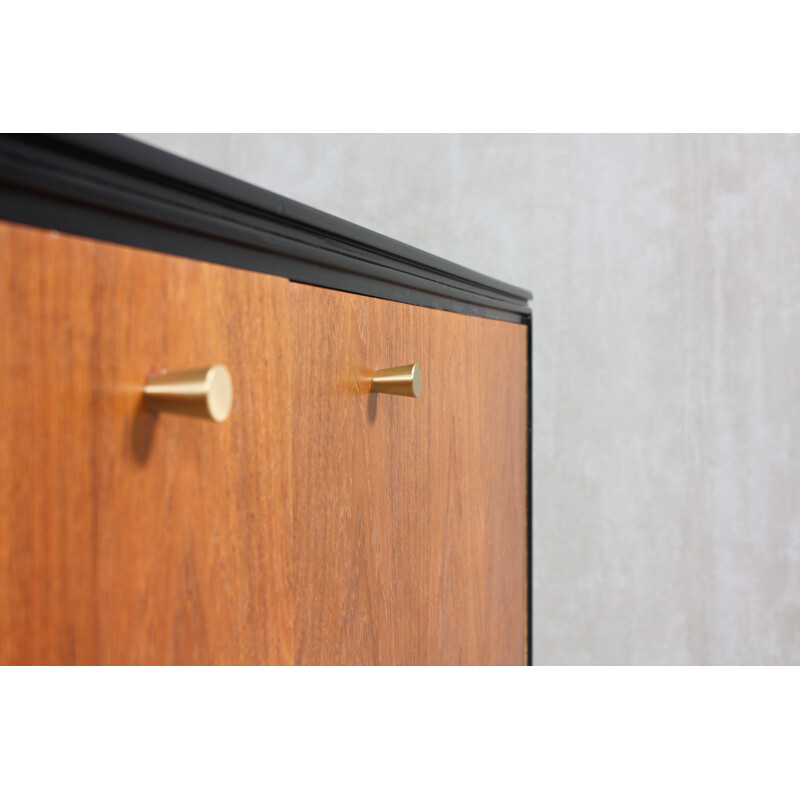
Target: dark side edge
{"x":116,"y":189}
{"x":529,"y":473}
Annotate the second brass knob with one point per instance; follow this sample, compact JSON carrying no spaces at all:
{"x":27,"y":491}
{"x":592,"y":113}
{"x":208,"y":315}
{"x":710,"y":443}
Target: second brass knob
{"x":405,"y":381}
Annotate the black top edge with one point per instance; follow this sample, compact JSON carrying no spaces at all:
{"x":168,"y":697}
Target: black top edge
{"x":117,"y":189}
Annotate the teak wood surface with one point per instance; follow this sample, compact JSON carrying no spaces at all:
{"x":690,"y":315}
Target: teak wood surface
{"x":127,"y":538}
{"x":409,"y":534}
{"x":320,"y":524}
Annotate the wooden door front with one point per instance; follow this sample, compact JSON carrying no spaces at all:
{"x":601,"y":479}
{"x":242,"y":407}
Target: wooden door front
{"x":409,"y":534}
{"x":125,"y":537}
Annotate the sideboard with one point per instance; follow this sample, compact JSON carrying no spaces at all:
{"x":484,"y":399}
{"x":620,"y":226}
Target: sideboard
{"x":358,"y":491}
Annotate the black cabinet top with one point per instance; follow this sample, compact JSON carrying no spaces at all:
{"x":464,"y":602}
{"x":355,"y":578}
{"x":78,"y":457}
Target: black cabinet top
{"x":120,"y":190}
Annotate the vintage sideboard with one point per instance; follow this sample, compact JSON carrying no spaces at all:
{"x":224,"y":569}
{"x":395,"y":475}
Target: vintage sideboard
{"x":331,"y":515}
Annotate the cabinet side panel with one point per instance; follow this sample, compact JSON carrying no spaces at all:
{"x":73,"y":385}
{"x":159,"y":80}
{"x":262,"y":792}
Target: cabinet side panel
{"x":125,"y":537}
{"x":409,"y":514}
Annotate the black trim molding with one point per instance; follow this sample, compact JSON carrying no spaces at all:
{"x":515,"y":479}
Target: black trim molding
{"x":120,"y":190}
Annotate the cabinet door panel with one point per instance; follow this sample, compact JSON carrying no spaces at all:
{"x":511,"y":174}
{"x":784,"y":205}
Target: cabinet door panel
{"x":124,"y":537}
{"x":409,"y":535}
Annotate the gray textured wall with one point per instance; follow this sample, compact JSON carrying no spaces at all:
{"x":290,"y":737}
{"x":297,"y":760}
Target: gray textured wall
{"x":666,"y":273}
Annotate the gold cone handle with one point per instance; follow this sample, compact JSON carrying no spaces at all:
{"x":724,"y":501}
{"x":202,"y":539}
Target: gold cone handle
{"x":205,"y":392}
{"x":405,"y":381}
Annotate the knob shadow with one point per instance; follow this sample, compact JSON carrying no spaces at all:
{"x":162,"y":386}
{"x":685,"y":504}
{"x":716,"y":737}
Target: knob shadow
{"x":143,"y":429}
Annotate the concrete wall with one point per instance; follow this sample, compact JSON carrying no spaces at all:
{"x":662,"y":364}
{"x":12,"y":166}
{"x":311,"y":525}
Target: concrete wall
{"x":666,"y":273}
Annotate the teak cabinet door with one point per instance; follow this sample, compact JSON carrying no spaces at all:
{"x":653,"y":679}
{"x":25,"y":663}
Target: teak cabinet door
{"x":409,"y":515}
{"x":127,"y":538}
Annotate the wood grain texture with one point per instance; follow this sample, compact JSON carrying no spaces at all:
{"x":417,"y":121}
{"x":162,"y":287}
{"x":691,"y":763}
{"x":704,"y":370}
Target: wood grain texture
{"x":409,"y":515}
{"x":127,"y":538}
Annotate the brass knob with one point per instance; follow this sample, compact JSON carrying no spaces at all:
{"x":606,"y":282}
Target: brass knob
{"x":205,"y":392}
{"x":405,"y":381}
